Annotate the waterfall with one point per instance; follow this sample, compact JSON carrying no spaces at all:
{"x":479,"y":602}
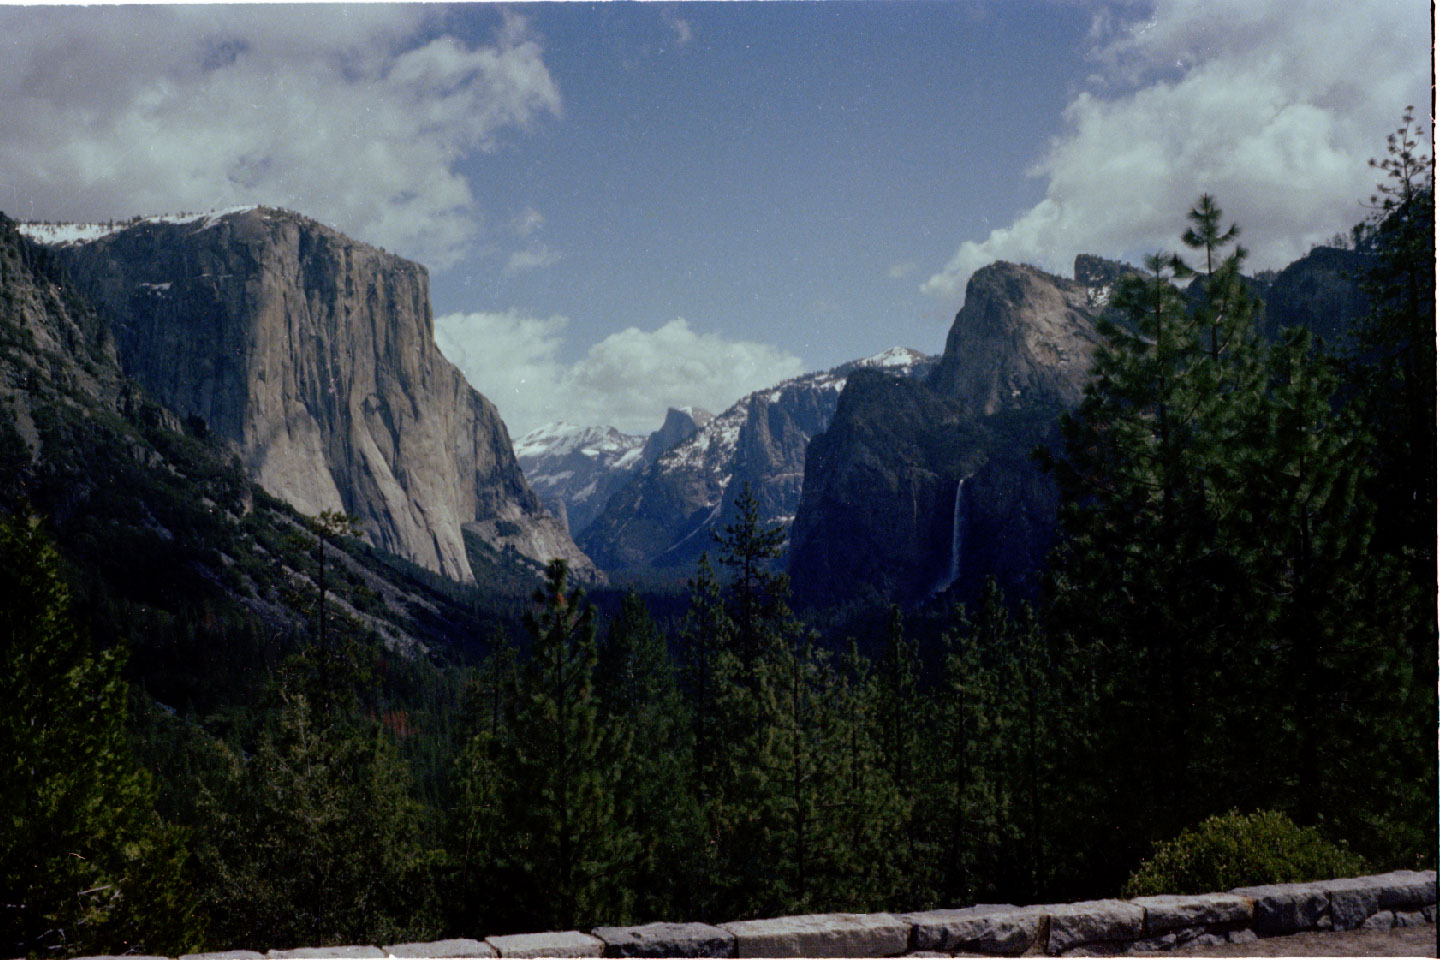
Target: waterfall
{"x":957,"y":532}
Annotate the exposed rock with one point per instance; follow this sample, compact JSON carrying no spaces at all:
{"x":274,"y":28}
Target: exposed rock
{"x":575,"y":470}
{"x":1077,"y":924}
{"x":1383,"y":920}
{"x":663,"y":518}
{"x":1403,"y":918}
{"x":821,"y":935}
{"x":883,"y":496}
{"x":1172,"y":912}
{"x":1352,"y":901}
{"x":1283,"y":908}
{"x":680,"y":425}
{"x":567,"y":943}
{"x":442,"y":948}
{"x":328,"y":953}
{"x":667,"y":940}
{"x":1404,"y":888}
{"x":1023,"y":338}
{"x":314,"y":357}
{"x":1320,"y":292}
{"x":1001,"y":929}
{"x":1242,"y":936}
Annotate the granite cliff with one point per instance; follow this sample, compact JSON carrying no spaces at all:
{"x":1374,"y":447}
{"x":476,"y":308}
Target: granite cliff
{"x":576,"y":470}
{"x":922,"y":486}
{"x":661,"y":520}
{"x":313,"y":357}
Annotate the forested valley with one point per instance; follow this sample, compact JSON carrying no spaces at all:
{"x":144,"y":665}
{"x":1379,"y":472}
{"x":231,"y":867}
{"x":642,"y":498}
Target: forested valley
{"x":1239,"y":619}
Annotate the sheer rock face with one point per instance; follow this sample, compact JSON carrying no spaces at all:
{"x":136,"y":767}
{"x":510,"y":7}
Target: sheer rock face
{"x":921,"y":487}
{"x":662,"y":519}
{"x":576,"y":470}
{"x":1024,"y":337}
{"x":314,"y":355}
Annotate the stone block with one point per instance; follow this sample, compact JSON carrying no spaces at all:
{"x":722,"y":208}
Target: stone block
{"x":1429,"y":912}
{"x":821,"y":935}
{"x":989,"y":929}
{"x":225,"y":955}
{"x":667,"y":940}
{"x":441,"y":948}
{"x":1282,"y":908}
{"x":328,"y":953}
{"x":1242,"y":936}
{"x":1205,"y":910}
{"x":1405,"y":889}
{"x":1075,"y":924}
{"x":1409,"y":918}
{"x":561,"y":943}
{"x":1352,"y":900}
{"x":1383,"y":920}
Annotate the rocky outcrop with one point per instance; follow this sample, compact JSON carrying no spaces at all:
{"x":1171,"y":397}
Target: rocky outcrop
{"x":314,"y":357}
{"x":1320,"y":292}
{"x":576,"y":470}
{"x":663,"y":518}
{"x":925,"y":486}
{"x":1023,"y":339}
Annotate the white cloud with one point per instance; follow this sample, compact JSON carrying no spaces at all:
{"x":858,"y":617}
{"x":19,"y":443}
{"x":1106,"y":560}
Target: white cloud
{"x":355,"y":115}
{"x":626,"y":380}
{"x":532,"y":258}
{"x":1274,"y":107}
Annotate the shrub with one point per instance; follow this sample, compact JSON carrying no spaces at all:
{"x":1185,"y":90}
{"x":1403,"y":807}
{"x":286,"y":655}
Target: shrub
{"x":1233,"y":850}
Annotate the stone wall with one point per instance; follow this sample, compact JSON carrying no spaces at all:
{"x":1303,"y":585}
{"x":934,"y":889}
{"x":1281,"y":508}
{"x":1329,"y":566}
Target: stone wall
{"x":1095,"y":927}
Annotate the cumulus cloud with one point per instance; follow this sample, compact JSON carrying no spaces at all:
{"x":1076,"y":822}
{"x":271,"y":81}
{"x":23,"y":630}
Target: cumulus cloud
{"x":356,"y":115}
{"x":626,"y":380}
{"x":1273,"y":107}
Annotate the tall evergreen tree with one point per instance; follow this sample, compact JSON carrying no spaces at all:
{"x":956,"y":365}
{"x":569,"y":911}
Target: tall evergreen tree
{"x":311,"y":835}
{"x":641,"y":707}
{"x":563,"y":841}
{"x":86,"y":865}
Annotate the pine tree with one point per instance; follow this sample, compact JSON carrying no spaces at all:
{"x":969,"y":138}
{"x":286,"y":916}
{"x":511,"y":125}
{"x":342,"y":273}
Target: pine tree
{"x":563,"y":841}
{"x":642,"y":710}
{"x":86,"y":865}
{"x":312,"y":836}
{"x":1392,"y":372}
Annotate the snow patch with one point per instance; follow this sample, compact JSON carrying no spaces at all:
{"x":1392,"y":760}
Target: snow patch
{"x":61,"y":234}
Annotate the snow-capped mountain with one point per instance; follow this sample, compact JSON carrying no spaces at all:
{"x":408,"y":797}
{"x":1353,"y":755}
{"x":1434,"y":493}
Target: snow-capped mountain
{"x":662,"y":517}
{"x":576,"y":469}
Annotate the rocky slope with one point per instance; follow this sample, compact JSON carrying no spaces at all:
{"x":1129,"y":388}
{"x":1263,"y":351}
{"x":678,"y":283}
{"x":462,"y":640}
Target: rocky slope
{"x":662,"y":519}
{"x":922,"y":486}
{"x":576,"y":470}
{"x":161,"y":527}
{"x":1024,"y":337}
{"x":1320,"y":291}
{"x":313,"y":357}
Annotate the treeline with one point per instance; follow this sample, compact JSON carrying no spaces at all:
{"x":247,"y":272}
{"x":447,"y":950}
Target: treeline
{"x":1240,"y":615}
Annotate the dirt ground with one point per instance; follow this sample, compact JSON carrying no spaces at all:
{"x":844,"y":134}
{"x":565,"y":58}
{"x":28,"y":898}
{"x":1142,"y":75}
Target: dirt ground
{"x":1418,"y":941}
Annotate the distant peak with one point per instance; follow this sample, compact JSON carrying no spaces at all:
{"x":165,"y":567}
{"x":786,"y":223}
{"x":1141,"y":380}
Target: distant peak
{"x":894,"y":357}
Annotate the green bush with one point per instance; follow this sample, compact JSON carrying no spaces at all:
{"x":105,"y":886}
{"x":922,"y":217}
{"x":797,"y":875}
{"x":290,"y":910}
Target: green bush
{"x":1232,"y":850}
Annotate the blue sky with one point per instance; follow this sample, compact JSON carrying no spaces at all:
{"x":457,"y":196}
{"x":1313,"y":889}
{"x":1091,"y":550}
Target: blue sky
{"x":628,"y":206}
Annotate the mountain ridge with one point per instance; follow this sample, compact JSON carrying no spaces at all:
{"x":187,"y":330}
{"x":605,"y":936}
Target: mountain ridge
{"x":313,"y":356}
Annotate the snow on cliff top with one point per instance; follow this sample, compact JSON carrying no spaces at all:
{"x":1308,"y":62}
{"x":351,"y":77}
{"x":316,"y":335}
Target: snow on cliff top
{"x":561,"y":438}
{"x":63,"y":233}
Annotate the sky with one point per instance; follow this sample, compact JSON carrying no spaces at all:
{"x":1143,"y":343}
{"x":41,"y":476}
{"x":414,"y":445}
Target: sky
{"x":630,"y":206}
